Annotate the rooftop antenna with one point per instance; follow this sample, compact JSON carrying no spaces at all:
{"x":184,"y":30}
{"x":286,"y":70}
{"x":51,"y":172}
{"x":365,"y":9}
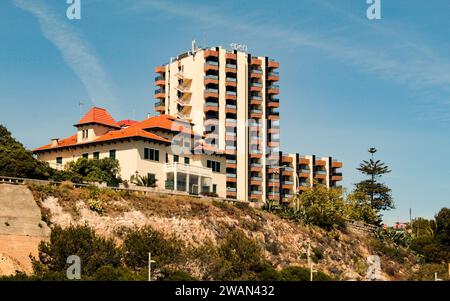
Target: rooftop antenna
{"x":194,"y":46}
{"x":81,"y":104}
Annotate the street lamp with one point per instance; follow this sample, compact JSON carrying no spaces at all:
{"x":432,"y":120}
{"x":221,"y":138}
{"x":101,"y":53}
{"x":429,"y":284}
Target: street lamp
{"x":150,"y":261}
{"x":297,"y":183}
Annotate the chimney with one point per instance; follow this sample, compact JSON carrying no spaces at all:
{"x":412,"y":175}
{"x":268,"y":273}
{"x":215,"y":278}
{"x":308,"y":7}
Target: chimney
{"x":149,"y":115}
{"x":55,"y":142}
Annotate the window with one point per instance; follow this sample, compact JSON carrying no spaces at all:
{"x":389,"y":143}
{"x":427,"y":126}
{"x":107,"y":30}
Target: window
{"x":186,"y":160}
{"x":151,"y":154}
{"x":96,"y":155}
{"x":59,"y":160}
{"x":214,"y":165}
{"x":176,"y":158}
{"x":151,"y":180}
{"x":214,"y":188}
{"x":85,"y":134}
{"x":167,"y":157}
{"x":112,"y":154}
{"x":86,"y":156}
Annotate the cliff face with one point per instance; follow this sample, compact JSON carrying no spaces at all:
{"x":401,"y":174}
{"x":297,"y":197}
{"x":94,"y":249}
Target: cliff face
{"x":21,"y":228}
{"x":200,"y":221}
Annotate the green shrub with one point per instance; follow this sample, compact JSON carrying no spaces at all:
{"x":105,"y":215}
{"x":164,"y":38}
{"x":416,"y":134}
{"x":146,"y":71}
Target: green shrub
{"x":96,"y":205}
{"x":94,"y":251}
{"x":239,"y":258}
{"x":138,"y":243}
{"x":176,"y":275}
{"x":302,"y":274}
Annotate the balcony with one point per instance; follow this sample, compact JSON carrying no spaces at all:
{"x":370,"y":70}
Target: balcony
{"x":255,"y":100}
{"x":257,"y":154}
{"x":211,"y":53}
{"x":160,"y":69}
{"x":304,"y":161}
{"x":287,"y":159}
{"x":160,"y":81}
{"x":213,"y":93}
{"x":336,"y":164}
{"x":320,"y":162}
{"x":256,"y":167}
{"x":230,"y":122}
{"x":256,"y":73}
{"x":230,"y":56}
{"x":273,"y":89}
{"x":336,"y":177}
{"x":273,"y":103}
{"x":230,"y":68}
{"x":211,"y":79}
{"x":255,"y":87}
{"x":273,"y":64}
{"x":160,"y":93}
{"x":211,"y":65}
{"x":232,"y":95}
{"x":211,"y":106}
{"x":255,"y":113}
{"x":273,"y":76}
{"x":230,"y":150}
{"x":232,"y":109}
{"x":304,"y":173}
{"x":255,"y":62}
{"x":160,"y":106}
{"x":273,"y":143}
{"x":230,"y":164}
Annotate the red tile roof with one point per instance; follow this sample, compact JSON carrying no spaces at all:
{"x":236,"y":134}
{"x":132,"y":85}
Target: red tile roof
{"x":133,"y":129}
{"x":169,"y":123}
{"x":99,"y":116}
{"x":126,"y":122}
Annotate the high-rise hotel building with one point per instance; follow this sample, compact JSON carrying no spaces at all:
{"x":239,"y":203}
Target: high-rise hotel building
{"x":231,"y":97}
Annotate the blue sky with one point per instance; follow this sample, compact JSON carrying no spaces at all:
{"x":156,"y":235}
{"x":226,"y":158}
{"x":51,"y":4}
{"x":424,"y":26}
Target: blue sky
{"x":347,"y":83}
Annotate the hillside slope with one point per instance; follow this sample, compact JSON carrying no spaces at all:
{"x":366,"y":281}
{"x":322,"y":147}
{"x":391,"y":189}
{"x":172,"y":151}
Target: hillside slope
{"x":202,"y":221}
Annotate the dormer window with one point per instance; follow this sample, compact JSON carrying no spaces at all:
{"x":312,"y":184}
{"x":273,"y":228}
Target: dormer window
{"x":85,"y":134}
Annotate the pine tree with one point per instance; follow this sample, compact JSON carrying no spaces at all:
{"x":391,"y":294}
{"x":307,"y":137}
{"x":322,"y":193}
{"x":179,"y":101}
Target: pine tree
{"x":378,"y":193}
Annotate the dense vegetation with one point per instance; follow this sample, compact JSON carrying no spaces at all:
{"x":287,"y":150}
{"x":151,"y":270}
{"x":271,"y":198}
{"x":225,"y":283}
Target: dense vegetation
{"x":237,"y":257}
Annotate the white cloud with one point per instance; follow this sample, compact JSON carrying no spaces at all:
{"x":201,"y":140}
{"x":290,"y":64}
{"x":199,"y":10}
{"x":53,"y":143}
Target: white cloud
{"x":76,"y":52}
{"x":408,"y":63}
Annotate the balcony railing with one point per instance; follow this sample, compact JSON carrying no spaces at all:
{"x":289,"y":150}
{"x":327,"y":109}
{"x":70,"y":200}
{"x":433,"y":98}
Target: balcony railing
{"x":157,"y":91}
{"x":212,"y":63}
{"x":160,"y":103}
{"x":231,"y":79}
{"x":321,"y":172}
{"x":256,"y":111}
{"x":231,"y":107}
{"x":234,"y":93}
{"x":160,"y":77}
{"x":288,"y":182}
{"x":255,"y":97}
{"x":256,"y":192}
{"x":257,"y":71}
{"x":230,"y":161}
{"x":229,"y":120}
{"x":273,"y":73}
{"x":212,"y":77}
{"x":255,"y":85}
{"x":273,"y":87}
{"x":232,"y":66}
{"x":211,"y":104}
{"x":209,"y":90}
{"x":231,"y":189}
{"x":230,"y":175}
{"x":304,"y":171}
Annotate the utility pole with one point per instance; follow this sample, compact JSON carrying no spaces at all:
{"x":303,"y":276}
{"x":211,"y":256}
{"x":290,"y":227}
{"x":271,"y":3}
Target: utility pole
{"x":150,"y":261}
